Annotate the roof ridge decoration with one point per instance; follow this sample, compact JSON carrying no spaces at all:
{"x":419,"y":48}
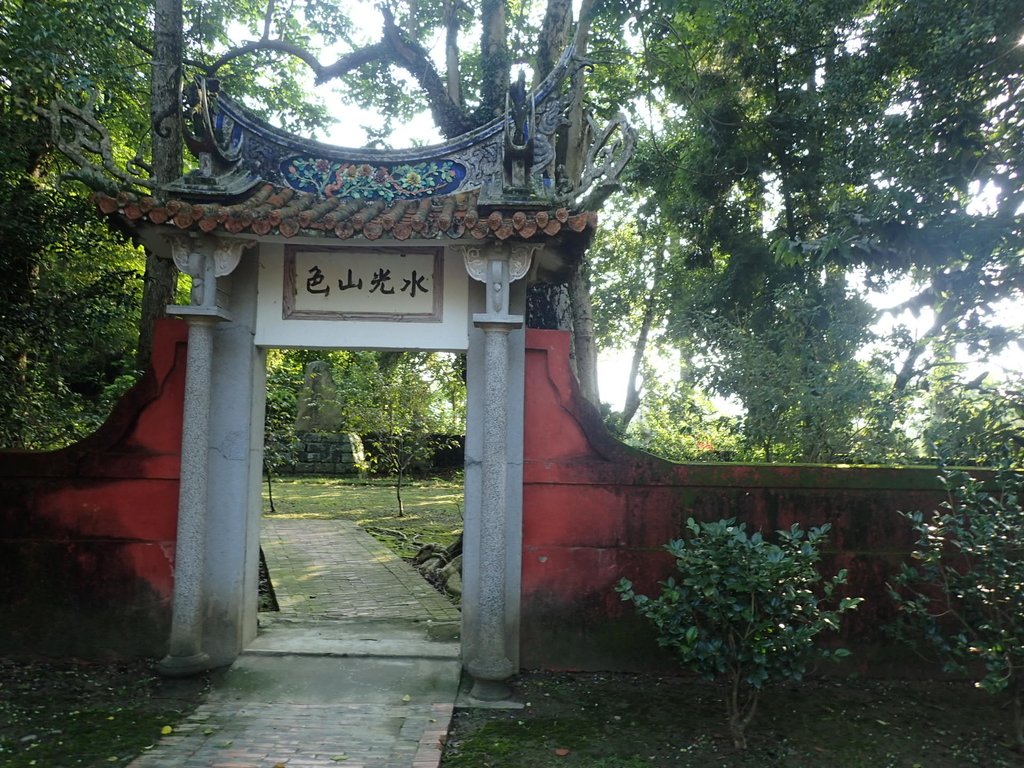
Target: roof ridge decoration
{"x":504,"y":181}
{"x":514,"y":159}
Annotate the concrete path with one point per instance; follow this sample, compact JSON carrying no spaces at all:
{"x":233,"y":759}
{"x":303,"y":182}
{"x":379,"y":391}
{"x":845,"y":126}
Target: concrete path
{"x":359,"y":669}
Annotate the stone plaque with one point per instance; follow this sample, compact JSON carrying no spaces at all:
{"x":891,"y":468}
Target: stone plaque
{"x":391,"y":284}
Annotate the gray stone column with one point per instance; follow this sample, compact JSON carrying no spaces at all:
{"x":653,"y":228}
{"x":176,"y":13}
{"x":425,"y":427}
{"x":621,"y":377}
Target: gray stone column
{"x":492,"y":665}
{"x":186,"y":655}
{"x":205,"y":260}
{"x":489,"y":659}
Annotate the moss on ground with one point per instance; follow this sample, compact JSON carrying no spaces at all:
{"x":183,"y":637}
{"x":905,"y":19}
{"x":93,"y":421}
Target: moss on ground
{"x":628,"y":721}
{"x":64,"y":714}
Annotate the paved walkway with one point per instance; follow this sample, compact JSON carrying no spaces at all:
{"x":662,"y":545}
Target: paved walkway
{"x":360,"y":668}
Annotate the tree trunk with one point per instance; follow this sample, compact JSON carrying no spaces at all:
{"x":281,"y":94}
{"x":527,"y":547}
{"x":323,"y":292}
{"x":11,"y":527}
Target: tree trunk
{"x":584,"y":346}
{"x":1018,"y":719}
{"x":495,"y":57}
{"x":947,"y":312}
{"x":453,"y":72}
{"x":161,"y":280}
{"x":579,"y":129}
{"x":741,"y":712}
{"x":270,"y":486}
{"x":554,"y":36}
{"x":632,"y":403}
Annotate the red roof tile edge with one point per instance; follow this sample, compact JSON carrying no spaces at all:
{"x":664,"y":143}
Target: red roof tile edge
{"x":276,"y":210}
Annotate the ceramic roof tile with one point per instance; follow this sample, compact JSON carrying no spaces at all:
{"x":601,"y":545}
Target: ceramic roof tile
{"x":275,"y":210}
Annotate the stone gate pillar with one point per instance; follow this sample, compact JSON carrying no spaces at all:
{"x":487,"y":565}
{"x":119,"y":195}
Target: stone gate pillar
{"x":204,"y":259}
{"x":487,"y":655}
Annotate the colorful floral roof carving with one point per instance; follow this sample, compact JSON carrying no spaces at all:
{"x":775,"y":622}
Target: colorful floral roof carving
{"x":514,"y":159}
{"x":393,"y":181}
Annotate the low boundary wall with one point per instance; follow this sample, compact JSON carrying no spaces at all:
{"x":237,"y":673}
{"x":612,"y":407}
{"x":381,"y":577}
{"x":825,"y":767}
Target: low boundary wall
{"x":87,"y":533}
{"x":595,"y":510}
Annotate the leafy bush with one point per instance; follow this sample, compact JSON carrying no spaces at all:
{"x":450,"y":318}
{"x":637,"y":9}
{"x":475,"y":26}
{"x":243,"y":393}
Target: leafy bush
{"x":744,"y":609}
{"x":963,"y":595}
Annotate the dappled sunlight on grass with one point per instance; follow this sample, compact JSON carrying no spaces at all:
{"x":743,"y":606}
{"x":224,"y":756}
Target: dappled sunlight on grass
{"x":433,"y":508}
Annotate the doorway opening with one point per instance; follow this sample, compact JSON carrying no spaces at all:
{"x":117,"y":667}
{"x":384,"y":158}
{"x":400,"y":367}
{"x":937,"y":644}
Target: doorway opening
{"x":363,"y":486}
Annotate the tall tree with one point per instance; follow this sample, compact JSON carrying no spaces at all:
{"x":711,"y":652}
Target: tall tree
{"x":164,"y":107}
{"x":69,"y":281}
{"x":463,"y":87}
{"x":794,"y":142}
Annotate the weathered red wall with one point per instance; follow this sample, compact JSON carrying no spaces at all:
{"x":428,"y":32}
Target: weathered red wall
{"x":595,"y":510}
{"x":87,"y":533}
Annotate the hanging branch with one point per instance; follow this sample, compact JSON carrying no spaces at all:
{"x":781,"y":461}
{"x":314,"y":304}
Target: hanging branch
{"x":395,"y":47}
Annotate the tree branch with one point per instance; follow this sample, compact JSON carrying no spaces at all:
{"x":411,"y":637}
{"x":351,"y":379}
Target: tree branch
{"x":281,"y":46}
{"x":449,"y":116}
{"x":451,"y":51}
{"x":268,"y":20}
{"x":395,"y":47}
{"x":352,"y":60}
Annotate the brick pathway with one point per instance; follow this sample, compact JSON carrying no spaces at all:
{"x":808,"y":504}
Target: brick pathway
{"x":333,"y":569}
{"x":359,"y":669}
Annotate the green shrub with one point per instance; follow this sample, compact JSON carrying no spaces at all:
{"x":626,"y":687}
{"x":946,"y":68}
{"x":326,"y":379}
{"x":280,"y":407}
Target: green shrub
{"x":963,"y":594}
{"x":744,"y":609}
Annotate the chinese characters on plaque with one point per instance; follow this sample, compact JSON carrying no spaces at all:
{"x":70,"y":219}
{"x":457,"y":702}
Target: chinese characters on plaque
{"x":366,"y":283}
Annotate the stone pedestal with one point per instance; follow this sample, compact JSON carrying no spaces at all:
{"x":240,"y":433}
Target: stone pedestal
{"x":324,"y":453}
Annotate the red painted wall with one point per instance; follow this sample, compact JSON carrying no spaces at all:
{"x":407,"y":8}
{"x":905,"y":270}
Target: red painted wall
{"x":87,"y":533}
{"x":595,"y":510}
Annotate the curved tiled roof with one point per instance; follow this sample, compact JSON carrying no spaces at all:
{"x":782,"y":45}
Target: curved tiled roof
{"x":276,"y":210}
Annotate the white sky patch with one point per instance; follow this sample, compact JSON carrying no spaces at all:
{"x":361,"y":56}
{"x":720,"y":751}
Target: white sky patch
{"x":772,"y":211}
{"x":984,"y":200}
{"x":613,"y":376}
{"x":613,"y":367}
{"x":1006,"y":313}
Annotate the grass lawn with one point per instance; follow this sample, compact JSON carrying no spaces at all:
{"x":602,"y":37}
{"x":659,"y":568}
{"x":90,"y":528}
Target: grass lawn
{"x":631,"y":721}
{"x":433,"y":507}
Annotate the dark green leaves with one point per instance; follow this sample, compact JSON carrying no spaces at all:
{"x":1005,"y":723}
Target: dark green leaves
{"x":744,"y":608}
{"x":963,"y":596}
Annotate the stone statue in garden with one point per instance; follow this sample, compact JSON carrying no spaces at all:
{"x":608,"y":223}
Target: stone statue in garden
{"x":318,"y":409}
{"x":324,"y":447}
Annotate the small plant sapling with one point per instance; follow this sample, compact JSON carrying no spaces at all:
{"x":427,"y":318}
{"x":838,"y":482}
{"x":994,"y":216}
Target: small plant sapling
{"x":963,"y":594}
{"x":744,"y":609}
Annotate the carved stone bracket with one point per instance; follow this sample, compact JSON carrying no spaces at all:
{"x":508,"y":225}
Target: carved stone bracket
{"x":76,"y":132}
{"x":520,"y":259}
{"x":498,"y":267}
{"x":204,"y":260}
{"x":611,"y":149}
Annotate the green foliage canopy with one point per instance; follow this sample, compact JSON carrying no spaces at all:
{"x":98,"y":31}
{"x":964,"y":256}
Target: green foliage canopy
{"x":791,"y":143}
